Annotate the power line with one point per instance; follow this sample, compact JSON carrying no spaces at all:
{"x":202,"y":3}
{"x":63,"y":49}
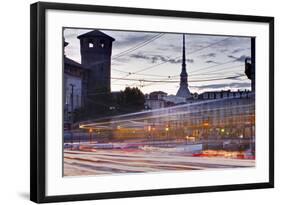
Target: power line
{"x":178,"y":75}
{"x":138,"y":46}
{"x":172,"y":77}
{"x":142,"y":74}
{"x":164,"y":62}
{"x":206,"y":68}
{"x":177,"y":81}
{"x":215,"y":72}
{"x":120,"y":71}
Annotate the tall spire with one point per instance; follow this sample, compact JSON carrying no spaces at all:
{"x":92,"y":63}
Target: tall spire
{"x":183,"y":66}
{"x":183,"y":90}
{"x":183,"y":53}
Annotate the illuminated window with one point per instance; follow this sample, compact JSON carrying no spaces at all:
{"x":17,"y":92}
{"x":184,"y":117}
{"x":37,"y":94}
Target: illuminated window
{"x":102,"y":43}
{"x":91,"y":45}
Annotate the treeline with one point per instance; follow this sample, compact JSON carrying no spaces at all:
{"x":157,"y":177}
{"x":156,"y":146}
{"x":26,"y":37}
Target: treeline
{"x":108,"y":104}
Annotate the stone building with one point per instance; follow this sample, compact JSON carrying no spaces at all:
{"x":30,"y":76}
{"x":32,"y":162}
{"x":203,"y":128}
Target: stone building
{"x":75,"y":83}
{"x":95,"y":49}
{"x":85,"y":82}
{"x":155,"y":100}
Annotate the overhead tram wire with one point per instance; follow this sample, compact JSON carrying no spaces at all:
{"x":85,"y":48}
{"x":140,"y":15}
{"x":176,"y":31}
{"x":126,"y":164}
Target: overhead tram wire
{"x":177,"y":81}
{"x":206,"y":80}
{"x":169,"y":77}
{"x":197,"y":74}
{"x":195,"y":51}
{"x":153,"y":66}
{"x":138,"y":46}
{"x":208,"y":67}
{"x":217,"y":71}
{"x":155,"y":75}
{"x":212,"y":66}
{"x":172,"y":77}
{"x":165,"y":80}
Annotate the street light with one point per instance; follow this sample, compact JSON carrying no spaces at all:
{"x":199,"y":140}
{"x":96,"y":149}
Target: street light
{"x":187,"y":138}
{"x":72,"y":115}
{"x":167,"y":132}
{"x":205,"y":124}
{"x":153,"y":133}
{"x":240,"y":141}
{"x":149,"y":132}
{"x":90,"y":135}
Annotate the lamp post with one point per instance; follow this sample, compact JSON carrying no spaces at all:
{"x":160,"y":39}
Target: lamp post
{"x":153,"y":133}
{"x":72,"y":117}
{"x":187,"y":138}
{"x":71,"y":98}
{"x":90,"y":135}
{"x":251,"y":134}
{"x":240,"y":141}
{"x":205,"y":126}
{"x":167,"y":132}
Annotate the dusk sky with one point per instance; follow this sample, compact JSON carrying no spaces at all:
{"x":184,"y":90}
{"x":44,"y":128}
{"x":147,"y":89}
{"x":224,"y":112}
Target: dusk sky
{"x":152,"y":61}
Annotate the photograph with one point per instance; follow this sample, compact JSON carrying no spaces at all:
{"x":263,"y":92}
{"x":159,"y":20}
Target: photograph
{"x":139,"y":102}
{"x":135,"y":102}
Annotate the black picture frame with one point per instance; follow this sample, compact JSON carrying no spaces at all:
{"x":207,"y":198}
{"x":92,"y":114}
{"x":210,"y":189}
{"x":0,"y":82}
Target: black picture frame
{"x":38,"y":100}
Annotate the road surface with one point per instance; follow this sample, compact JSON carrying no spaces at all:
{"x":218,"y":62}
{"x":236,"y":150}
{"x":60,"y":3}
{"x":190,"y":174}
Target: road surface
{"x":112,"y":161}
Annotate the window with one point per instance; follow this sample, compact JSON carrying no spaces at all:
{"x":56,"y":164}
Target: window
{"x":102,"y":43}
{"x":237,"y":94}
{"x":205,"y":96}
{"x":91,"y":45}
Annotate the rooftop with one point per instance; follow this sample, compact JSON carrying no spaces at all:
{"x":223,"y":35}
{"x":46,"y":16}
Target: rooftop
{"x":95,"y":33}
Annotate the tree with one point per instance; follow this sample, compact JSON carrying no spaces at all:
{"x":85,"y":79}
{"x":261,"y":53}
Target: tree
{"x":130,"y":100}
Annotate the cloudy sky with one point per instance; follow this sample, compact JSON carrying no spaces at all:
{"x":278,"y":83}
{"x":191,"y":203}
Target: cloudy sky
{"x":152,"y":61}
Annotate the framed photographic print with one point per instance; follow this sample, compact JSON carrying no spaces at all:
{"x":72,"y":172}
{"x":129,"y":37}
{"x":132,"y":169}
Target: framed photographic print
{"x":129,"y":102}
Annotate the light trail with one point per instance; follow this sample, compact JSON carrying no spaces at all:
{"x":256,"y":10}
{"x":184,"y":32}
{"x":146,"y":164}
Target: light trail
{"x":171,"y":122}
{"x":166,"y":113}
{"x":171,"y":108}
{"x":115,"y":162}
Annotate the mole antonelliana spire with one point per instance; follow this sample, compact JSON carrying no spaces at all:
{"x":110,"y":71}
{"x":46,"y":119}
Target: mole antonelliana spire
{"x":183,"y":90}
